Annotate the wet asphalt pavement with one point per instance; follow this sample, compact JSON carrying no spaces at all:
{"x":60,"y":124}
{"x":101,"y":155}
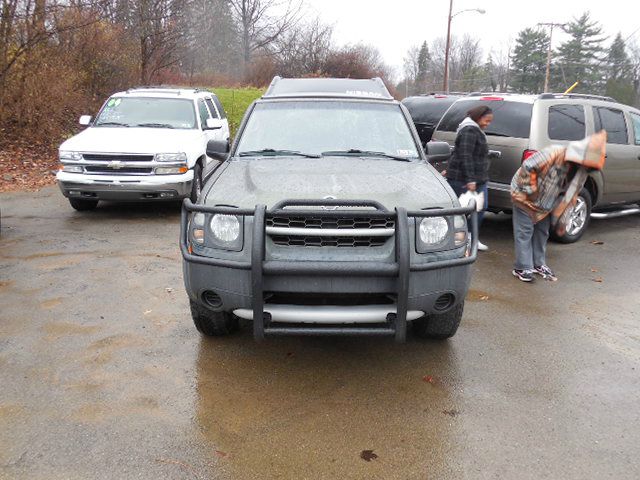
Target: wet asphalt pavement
{"x":103,"y":376}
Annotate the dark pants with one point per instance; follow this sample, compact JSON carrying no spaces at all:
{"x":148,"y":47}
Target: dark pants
{"x":459,"y":187}
{"x":530,"y":240}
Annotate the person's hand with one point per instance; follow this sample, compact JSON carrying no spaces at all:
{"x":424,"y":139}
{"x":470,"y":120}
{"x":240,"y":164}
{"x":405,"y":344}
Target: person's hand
{"x":471,"y":186}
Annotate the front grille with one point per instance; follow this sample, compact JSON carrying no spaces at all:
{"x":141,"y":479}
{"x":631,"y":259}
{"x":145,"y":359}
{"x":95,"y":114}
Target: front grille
{"x":304,"y":231}
{"x":311,"y":241}
{"x":118,"y":171}
{"x":116,"y":157}
{"x":330,"y":223}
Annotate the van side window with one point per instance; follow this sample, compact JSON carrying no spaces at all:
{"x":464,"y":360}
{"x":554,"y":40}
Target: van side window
{"x":612,"y":121}
{"x":212,"y":109}
{"x":566,"y":122}
{"x":636,"y":127}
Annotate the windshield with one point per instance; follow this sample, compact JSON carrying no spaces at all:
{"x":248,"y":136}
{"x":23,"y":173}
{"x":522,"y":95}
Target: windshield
{"x":330,"y":127}
{"x":147,"y":112}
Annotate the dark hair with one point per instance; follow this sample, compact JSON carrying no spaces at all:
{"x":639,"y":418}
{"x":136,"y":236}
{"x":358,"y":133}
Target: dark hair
{"x":476,"y":113}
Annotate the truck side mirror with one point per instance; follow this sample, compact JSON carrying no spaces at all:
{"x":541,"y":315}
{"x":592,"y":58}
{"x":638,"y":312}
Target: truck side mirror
{"x":218,"y":149}
{"x":438,"y":152}
{"x":213,"y":124}
{"x":85,"y":120}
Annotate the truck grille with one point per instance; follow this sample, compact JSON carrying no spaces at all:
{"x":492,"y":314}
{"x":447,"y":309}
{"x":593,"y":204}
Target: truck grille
{"x":329,"y":231}
{"x":330,"y":223}
{"x":116,"y":157}
{"x":311,"y":241}
{"x":118,"y":171}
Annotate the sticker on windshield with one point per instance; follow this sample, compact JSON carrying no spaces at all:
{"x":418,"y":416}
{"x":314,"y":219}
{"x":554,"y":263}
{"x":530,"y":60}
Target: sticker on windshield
{"x":407,"y":153}
{"x":114,"y":102}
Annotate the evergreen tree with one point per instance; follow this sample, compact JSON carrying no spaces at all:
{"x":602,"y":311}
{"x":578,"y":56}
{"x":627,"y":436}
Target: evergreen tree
{"x":580,"y":59}
{"x":619,"y":68}
{"x":529,"y":61}
{"x":424,"y":59}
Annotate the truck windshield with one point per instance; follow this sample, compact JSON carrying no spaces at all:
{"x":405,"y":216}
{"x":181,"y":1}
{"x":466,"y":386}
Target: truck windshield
{"x":147,"y":112}
{"x":330,"y":127}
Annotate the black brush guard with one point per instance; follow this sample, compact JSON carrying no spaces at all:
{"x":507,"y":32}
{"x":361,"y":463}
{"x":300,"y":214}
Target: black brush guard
{"x":260,"y":268}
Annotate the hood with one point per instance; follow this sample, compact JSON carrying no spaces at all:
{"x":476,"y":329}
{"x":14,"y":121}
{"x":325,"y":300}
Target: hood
{"x":132,"y":140}
{"x":468,"y":122}
{"x":248,"y":182}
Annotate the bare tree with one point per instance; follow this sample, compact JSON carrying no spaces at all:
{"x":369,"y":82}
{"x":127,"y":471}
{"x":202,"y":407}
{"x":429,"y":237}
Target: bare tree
{"x":262,"y":22}
{"x":304,"y":49}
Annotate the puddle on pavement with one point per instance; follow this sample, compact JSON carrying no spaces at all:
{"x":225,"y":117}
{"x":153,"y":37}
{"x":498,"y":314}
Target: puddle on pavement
{"x":308,"y":408}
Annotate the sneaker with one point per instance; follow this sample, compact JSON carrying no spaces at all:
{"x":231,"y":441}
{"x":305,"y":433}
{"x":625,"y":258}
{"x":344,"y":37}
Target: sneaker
{"x":482,"y":247}
{"x":545,"y":272}
{"x":523,"y":275}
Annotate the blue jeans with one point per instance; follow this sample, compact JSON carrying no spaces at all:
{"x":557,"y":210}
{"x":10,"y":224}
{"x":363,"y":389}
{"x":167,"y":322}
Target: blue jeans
{"x":530,"y":240}
{"x":459,"y":187}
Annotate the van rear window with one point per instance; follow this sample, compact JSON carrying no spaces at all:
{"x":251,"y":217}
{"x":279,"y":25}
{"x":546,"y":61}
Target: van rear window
{"x":510,"y":119}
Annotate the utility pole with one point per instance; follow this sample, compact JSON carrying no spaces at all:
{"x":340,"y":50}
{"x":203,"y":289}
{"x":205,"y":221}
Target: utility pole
{"x":547,"y":74}
{"x":445,"y":83}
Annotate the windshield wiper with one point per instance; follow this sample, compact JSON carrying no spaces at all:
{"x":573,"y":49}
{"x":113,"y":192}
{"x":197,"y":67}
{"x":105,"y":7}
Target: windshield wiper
{"x":154,"y":125}
{"x":364,"y":153}
{"x":270,"y":152}
{"x":115,"y":124}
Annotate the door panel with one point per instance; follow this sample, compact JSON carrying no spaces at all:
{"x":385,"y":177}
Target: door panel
{"x":621,"y":166}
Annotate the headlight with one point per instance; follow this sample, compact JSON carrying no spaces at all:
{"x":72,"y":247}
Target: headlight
{"x":67,"y":155}
{"x":170,"y":170}
{"x":433,"y":230}
{"x":226,"y":228}
{"x":171,"y":157}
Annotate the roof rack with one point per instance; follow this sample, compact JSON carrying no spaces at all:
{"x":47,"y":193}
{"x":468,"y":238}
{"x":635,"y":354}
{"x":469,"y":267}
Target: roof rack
{"x":372,"y":88}
{"x":586,"y":96}
{"x":166,"y":88}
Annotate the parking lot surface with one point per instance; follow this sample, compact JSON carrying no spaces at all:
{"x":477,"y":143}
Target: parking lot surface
{"x":103,"y":376}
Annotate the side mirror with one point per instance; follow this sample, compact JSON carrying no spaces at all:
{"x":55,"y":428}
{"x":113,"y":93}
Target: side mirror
{"x":218,"y":149}
{"x":438,"y":151}
{"x":85,"y":120}
{"x":213,"y":124}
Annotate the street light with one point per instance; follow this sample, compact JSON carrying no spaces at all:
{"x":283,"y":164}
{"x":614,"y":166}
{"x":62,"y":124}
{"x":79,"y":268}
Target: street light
{"x":445,"y":83}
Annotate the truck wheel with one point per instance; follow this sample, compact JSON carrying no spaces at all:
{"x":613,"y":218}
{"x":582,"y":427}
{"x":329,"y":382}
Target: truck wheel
{"x":439,"y":325}
{"x":196,"y":185}
{"x":83,"y":205}
{"x":213,"y":324}
{"x":579,"y":220}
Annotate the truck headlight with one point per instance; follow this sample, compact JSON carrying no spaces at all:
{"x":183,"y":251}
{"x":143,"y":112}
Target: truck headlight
{"x":433,"y":230}
{"x":72,"y":168}
{"x":226,"y":228}
{"x":171,"y":157}
{"x":68,"y":155}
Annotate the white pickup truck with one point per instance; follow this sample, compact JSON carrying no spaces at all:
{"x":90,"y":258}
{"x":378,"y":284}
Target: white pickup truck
{"x":145,"y":144}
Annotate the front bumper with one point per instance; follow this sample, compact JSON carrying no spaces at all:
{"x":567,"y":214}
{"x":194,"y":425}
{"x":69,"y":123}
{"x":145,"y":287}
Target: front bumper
{"x":416,"y":288}
{"x":125,"y":187}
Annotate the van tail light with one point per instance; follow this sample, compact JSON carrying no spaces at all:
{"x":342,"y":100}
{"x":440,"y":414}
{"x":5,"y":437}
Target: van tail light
{"x":492,"y":99}
{"x":528,"y":153}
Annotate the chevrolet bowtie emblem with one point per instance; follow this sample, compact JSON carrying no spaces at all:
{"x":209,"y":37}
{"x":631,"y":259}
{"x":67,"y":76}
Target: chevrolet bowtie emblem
{"x":116,"y":164}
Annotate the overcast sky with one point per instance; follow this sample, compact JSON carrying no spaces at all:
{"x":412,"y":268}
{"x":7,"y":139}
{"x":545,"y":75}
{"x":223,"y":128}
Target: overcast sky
{"x":396,"y":25}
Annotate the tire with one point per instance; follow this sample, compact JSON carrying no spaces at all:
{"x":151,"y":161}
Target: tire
{"x":439,"y":325}
{"x":579,"y":220}
{"x":196,"y":185}
{"x":82,"y":205}
{"x":213,"y":324}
